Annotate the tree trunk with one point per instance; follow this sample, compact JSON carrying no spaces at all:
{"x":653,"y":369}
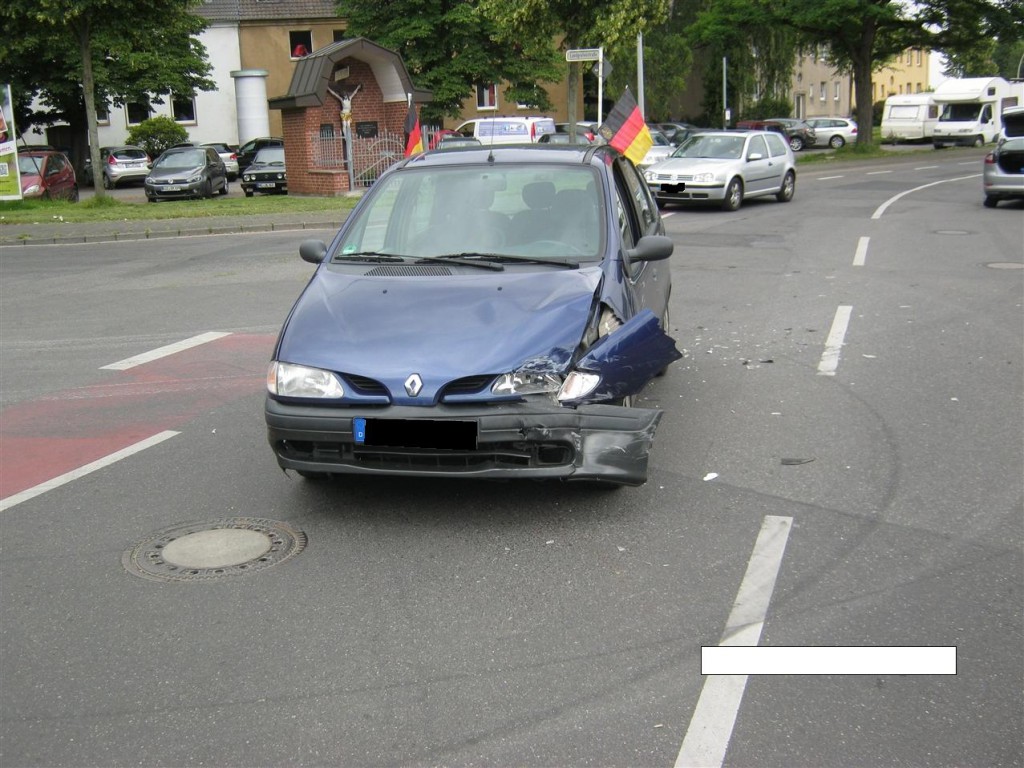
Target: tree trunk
{"x":89,"y":95}
{"x":862,"y":69}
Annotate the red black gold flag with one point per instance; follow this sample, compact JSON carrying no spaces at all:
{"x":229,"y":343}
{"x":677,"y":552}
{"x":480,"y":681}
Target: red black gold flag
{"x":626,"y":130}
{"x":414,"y":144}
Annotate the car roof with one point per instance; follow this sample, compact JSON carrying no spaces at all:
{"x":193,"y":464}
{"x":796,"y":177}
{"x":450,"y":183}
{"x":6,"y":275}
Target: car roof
{"x":566,"y":154}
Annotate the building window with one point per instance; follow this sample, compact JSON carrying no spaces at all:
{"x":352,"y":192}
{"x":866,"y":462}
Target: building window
{"x":487,"y":96}
{"x":137,"y":112}
{"x":300,"y":43}
{"x":822,"y":91}
{"x":919,"y":57}
{"x":339,"y":35}
{"x":184,"y":110}
{"x":836,"y":97}
{"x":103,"y":114}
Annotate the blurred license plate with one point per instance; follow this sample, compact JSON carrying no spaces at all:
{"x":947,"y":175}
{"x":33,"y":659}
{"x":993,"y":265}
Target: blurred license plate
{"x":172,"y":189}
{"x":265,"y":184}
{"x":415,"y":433}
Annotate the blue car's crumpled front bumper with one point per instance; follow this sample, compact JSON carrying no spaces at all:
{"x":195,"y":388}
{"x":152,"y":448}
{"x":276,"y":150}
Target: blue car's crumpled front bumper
{"x":528,"y":440}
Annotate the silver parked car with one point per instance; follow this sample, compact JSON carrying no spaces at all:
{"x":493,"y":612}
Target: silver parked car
{"x":833,"y":132}
{"x":725,"y":167}
{"x":119,"y":165}
{"x":660,"y":149}
{"x":1002,"y":174}
{"x":229,"y":155}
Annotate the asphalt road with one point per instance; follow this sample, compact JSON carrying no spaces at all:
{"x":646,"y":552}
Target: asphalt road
{"x":842,"y":445}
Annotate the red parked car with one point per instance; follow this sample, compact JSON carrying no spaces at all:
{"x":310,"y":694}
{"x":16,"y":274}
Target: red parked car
{"x":47,"y":174}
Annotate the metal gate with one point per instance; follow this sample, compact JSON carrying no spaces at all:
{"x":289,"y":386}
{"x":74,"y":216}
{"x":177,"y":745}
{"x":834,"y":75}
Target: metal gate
{"x":372,"y":156}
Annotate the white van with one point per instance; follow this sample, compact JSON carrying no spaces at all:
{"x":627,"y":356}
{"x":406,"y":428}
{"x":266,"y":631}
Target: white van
{"x":507,"y":130}
{"x":972,"y":109}
{"x":909,"y":117}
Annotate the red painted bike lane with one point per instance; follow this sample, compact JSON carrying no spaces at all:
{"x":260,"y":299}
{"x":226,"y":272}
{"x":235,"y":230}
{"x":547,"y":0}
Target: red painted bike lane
{"x":63,"y":431}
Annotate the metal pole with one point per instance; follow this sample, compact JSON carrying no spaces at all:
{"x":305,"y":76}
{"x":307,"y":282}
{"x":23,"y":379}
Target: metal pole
{"x":725,"y":95}
{"x":600,"y":82}
{"x":640,"y":73}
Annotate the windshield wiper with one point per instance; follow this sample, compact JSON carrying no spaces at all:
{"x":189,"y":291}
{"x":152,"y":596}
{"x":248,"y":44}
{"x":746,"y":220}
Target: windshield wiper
{"x":482,"y":260}
{"x":536,"y":260}
{"x":372,"y":256}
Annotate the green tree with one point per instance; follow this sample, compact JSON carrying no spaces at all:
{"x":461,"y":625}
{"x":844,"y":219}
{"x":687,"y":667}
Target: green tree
{"x":861,"y":35}
{"x":77,"y":54}
{"x":450,"y":48}
{"x":611,"y":24}
{"x":157,"y":134}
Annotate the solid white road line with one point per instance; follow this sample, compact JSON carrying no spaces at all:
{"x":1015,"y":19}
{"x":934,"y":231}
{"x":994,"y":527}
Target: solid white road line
{"x":882,"y":208}
{"x":170,"y":349}
{"x":860,"y":257}
{"x":877,"y":173}
{"x":829,"y":660}
{"x":710,"y":730}
{"x":827,"y":178}
{"x":67,"y":477}
{"x":830,"y":357}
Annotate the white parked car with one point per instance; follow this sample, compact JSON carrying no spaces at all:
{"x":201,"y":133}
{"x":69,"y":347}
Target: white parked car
{"x":833,"y":132}
{"x":725,"y":167}
{"x":660,"y":149}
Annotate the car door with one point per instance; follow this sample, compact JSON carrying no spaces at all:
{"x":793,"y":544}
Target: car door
{"x":218,"y":172}
{"x":649,"y":281}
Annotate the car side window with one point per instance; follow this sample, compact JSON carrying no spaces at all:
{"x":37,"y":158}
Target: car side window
{"x":776,"y":146}
{"x":639,"y":195}
{"x":757,"y":147}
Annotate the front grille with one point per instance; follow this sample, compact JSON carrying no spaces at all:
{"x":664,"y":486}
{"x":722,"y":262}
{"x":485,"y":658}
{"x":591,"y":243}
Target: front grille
{"x":366,"y":385}
{"x":669,"y":178}
{"x":512,"y":455}
{"x":469,"y":385}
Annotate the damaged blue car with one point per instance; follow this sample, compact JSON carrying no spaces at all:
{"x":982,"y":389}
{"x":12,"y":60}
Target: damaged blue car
{"x":484,"y":312}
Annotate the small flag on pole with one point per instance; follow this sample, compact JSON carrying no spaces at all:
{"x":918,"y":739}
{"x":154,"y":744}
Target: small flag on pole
{"x":625,"y":129}
{"x":414,"y":142}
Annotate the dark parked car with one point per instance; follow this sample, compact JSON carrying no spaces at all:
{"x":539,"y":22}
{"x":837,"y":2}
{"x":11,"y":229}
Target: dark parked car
{"x":120,"y":165}
{"x":247,"y":152}
{"x":676,"y":132}
{"x":485,"y":313}
{"x":798,"y":133}
{"x":184,"y":172}
{"x":266,"y":173}
{"x":47,"y":174}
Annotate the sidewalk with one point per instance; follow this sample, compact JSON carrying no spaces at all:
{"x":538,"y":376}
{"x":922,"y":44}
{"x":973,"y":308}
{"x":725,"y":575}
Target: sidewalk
{"x":60,"y":233}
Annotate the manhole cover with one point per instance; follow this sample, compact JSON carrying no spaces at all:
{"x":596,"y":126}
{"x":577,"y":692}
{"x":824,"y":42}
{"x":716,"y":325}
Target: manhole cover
{"x":1005,"y":265}
{"x":204,"y":551}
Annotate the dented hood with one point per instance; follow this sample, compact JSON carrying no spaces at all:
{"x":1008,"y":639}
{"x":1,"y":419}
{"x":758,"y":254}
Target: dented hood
{"x":441,"y":328}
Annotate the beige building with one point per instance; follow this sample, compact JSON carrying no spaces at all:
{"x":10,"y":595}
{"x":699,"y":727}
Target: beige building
{"x":908,"y":73}
{"x":818,"y":90}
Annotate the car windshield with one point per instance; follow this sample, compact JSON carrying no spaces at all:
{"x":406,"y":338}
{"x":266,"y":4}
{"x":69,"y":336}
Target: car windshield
{"x":29,"y":165}
{"x":537,"y":212}
{"x":270,"y":156}
{"x":187,"y":159}
{"x":711,"y":146}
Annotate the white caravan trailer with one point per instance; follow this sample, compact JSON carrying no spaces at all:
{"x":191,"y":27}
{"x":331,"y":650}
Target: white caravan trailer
{"x":909,"y":117}
{"x":972,"y":109}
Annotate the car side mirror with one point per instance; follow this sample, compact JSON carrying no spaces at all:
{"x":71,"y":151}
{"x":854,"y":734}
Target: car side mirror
{"x":754,"y":156}
{"x":652,"y":248}
{"x":312,"y":251}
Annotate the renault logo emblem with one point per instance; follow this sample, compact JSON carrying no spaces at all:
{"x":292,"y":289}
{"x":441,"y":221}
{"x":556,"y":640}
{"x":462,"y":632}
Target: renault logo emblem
{"x":413,"y":385}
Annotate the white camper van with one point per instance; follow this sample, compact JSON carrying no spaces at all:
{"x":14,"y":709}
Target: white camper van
{"x":909,"y":117}
{"x":972,"y":109}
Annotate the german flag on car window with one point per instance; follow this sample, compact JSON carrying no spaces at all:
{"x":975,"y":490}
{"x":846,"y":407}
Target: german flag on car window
{"x":625,"y":129}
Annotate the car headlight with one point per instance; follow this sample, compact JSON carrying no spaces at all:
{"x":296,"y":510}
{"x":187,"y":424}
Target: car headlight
{"x":32,"y":191}
{"x":650,"y":177}
{"x":526,"y":383}
{"x":578,"y":384}
{"x":195,"y":177}
{"x":703,"y":177}
{"x":246,"y":177}
{"x":289,"y":380}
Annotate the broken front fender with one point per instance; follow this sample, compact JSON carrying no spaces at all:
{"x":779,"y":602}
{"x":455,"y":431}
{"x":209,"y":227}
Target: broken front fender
{"x":629,"y":358}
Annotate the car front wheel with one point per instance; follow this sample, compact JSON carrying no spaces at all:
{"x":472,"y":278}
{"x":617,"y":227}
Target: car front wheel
{"x":788,"y":188}
{"x":107,"y":183}
{"x":733,"y":196}
{"x":796,"y":143}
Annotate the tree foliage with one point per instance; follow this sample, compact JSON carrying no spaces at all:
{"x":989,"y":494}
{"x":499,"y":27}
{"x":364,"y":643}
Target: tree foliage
{"x":75,"y":55}
{"x":611,"y":24}
{"x":157,"y":134}
{"x":449,"y":47}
